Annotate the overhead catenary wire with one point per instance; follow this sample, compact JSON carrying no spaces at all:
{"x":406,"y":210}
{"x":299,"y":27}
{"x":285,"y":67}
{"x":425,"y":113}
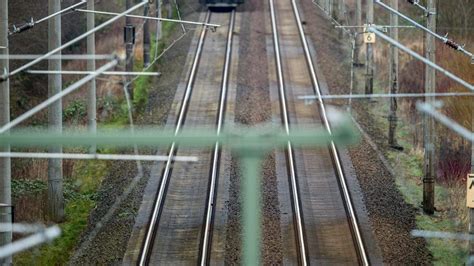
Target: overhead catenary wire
{"x":444,"y":39}
{"x":151,"y":18}
{"x":105,"y":157}
{"x":59,"y":57}
{"x":386,"y":95}
{"x":46,"y":235}
{"x":75,"y":40}
{"x":446,"y":121}
{"x":417,"y":4}
{"x":56,"y":97}
{"x":32,"y":23}
{"x":421,"y":58}
{"x":110,"y":73}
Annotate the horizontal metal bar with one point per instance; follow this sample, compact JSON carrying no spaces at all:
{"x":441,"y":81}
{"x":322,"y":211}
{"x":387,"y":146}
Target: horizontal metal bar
{"x":21,"y":228}
{"x":79,"y":38}
{"x":378,"y":26}
{"x":56,"y":97}
{"x":446,"y":121}
{"x":240,"y":138}
{"x":60,"y":12}
{"x":386,"y":95}
{"x":58,"y":57}
{"x":418,"y":25}
{"x":442,"y":235}
{"x":31,"y":241}
{"x":113,"y":73}
{"x":33,"y":22}
{"x":109,"y":157}
{"x":151,"y":18}
{"x":421,"y":58}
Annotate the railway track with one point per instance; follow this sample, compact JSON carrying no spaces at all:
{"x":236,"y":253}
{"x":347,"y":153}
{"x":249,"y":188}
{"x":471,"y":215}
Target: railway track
{"x":180,"y":227}
{"x":320,"y":234}
{"x":325,"y":225}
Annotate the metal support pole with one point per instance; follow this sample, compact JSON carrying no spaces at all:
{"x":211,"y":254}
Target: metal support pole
{"x":5,"y":163}
{"x":92,"y":100}
{"x":471,"y":210}
{"x":251,"y":183}
{"x":428,"y":125}
{"x":358,"y":20}
{"x":341,"y":11}
{"x":370,"y":65}
{"x":158,"y":27}
{"x":55,"y":168}
{"x":146,"y":38}
{"x":169,"y":8}
{"x":129,"y":42}
{"x":393,"y":77}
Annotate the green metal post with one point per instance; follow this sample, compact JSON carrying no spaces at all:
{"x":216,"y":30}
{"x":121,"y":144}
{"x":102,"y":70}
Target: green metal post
{"x":251,"y":207}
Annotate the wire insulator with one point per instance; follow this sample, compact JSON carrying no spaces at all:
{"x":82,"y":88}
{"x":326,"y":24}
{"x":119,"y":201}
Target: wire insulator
{"x":452,"y":44}
{"x":23,"y":27}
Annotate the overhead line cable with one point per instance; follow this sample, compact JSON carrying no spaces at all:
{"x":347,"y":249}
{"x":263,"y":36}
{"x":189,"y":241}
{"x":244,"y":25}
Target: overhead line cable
{"x":32,"y":23}
{"x":151,"y":18}
{"x":56,"y":97}
{"x":452,"y":44}
{"x":387,"y":95}
{"x":79,"y":38}
{"x":421,"y":58}
{"x":58,"y":57}
{"x":111,"y":157}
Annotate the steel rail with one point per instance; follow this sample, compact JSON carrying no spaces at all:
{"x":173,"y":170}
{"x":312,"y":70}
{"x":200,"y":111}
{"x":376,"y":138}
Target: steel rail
{"x":166,"y":173}
{"x":205,"y":251}
{"x":81,"y":37}
{"x":290,"y":152}
{"x":350,"y":209}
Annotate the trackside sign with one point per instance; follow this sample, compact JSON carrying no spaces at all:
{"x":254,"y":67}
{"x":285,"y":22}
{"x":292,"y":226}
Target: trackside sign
{"x":470,"y":191}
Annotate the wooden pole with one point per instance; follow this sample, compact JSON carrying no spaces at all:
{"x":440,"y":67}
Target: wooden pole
{"x":91,"y":100}
{"x":370,"y":66}
{"x":393,"y":77}
{"x":428,"y":125}
{"x":5,"y":163}
{"x":55,"y":168}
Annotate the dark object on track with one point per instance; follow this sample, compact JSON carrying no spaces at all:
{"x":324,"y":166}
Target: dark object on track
{"x":221,"y":5}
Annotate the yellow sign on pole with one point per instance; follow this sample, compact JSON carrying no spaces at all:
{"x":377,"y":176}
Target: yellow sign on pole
{"x":369,"y":37}
{"x":470,"y":191}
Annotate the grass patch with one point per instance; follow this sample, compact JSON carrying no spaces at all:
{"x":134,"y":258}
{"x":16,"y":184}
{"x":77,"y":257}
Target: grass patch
{"x":59,"y":251}
{"x":409,"y":165}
